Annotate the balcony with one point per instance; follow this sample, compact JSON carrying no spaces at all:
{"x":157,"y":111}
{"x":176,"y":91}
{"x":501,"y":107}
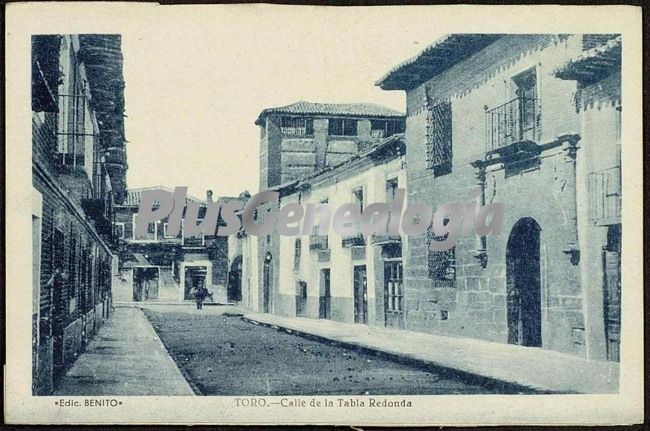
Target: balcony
{"x":356,"y":240}
{"x":605,"y":196}
{"x":318,"y":242}
{"x":385,"y":239}
{"x":512,"y":124}
{"x":193,"y":242}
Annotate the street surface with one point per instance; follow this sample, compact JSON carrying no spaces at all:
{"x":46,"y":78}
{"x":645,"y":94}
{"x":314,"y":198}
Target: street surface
{"x":223,"y":355}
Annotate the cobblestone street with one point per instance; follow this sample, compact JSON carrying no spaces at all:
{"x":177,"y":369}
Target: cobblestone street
{"x":223,"y":355}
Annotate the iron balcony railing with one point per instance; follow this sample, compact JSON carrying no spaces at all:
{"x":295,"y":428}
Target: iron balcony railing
{"x":514,"y":121}
{"x":383,"y":239}
{"x":318,"y":242}
{"x":605,"y":196}
{"x":355,"y":240}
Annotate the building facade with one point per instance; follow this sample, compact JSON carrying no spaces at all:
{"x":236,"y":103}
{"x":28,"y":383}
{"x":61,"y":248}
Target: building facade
{"x":533,"y":121}
{"x":305,"y":137}
{"x":78,"y":174}
{"x":334,"y":154}
{"x":157,"y":267}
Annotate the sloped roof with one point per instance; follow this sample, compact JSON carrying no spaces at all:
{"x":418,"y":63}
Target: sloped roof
{"x":335,"y":109}
{"x":434,"y":59}
{"x":133,"y":196}
{"x":593,"y":63}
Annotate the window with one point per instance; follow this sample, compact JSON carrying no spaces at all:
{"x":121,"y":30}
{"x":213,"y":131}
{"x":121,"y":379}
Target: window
{"x":151,"y":230}
{"x":36,"y":268}
{"x":194,"y":240}
{"x":167,"y":236}
{"x":441,"y":264}
{"x":342,"y":127}
{"x":118,"y":230}
{"x":356,"y":239}
{"x":72,"y":268}
{"x":296,"y":126}
{"x":72,"y":115}
{"x":438,"y":138}
{"x":357,"y":196}
{"x":385,"y":128}
{"x":393,"y":286}
{"x":391,"y":190}
{"x":527,"y":110}
{"x":296,"y":255}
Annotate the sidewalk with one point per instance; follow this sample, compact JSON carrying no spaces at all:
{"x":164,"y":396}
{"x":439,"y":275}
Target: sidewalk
{"x":526,"y":366}
{"x":124,"y":358}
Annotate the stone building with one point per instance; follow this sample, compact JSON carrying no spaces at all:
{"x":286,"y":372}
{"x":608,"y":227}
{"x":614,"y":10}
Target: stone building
{"x":305,"y":137}
{"x":157,"y":267}
{"x":534,"y":122}
{"x":78,"y":174}
{"x":352,"y":278}
{"x":315,"y":153}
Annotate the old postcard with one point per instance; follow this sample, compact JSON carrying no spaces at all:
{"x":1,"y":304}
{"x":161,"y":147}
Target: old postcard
{"x":267,"y":214}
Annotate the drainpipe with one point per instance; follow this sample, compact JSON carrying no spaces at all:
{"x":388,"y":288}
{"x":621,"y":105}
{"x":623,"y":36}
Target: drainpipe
{"x":481,"y":241}
{"x":570,"y":148}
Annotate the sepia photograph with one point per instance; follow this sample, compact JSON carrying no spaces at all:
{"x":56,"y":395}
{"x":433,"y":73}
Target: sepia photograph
{"x":282,"y":218}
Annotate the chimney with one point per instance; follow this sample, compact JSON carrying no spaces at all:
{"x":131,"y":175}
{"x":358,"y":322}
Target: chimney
{"x":209,"y":195}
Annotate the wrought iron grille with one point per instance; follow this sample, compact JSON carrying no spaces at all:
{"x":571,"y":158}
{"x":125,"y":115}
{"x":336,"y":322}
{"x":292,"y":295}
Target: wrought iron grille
{"x":438,"y":138}
{"x":297,"y":126}
{"x":441,"y":264}
{"x":71,"y":128}
{"x":318,"y":242}
{"x":514,"y":121}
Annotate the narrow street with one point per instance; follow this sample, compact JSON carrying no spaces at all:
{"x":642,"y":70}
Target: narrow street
{"x":222,"y":354}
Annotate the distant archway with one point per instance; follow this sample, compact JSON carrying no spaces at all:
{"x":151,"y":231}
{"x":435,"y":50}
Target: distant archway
{"x":523,"y":284}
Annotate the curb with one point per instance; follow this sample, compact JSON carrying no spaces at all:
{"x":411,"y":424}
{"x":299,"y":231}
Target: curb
{"x":143,"y":304}
{"x":505,"y":387}
{"x":186,"y":376}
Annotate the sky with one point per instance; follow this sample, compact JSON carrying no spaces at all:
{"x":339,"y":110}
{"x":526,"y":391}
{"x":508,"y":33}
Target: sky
{"x":195,"y":83}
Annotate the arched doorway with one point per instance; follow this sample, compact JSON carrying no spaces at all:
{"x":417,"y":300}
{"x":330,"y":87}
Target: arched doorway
{"x":266,"y":283}
{"x":234,"y":280}
{"x":523,"y":284}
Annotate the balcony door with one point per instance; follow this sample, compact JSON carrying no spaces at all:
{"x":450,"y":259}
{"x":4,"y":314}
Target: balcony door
{"x":525,"y":117}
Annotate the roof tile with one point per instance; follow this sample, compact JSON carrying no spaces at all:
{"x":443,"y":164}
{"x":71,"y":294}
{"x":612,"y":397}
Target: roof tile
{"x":340,"y":109}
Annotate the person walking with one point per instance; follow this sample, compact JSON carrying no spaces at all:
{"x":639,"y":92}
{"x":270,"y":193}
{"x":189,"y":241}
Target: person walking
{"x":200,"y":294}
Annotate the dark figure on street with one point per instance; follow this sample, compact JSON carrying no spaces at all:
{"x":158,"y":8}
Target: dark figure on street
{"x":200,"y":293}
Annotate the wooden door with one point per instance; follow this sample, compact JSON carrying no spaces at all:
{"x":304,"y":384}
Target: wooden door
{"x":360,"y":294}
{"x":324,"y":309}
{"x":393,"y":294}
{"x":612,"y":303}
